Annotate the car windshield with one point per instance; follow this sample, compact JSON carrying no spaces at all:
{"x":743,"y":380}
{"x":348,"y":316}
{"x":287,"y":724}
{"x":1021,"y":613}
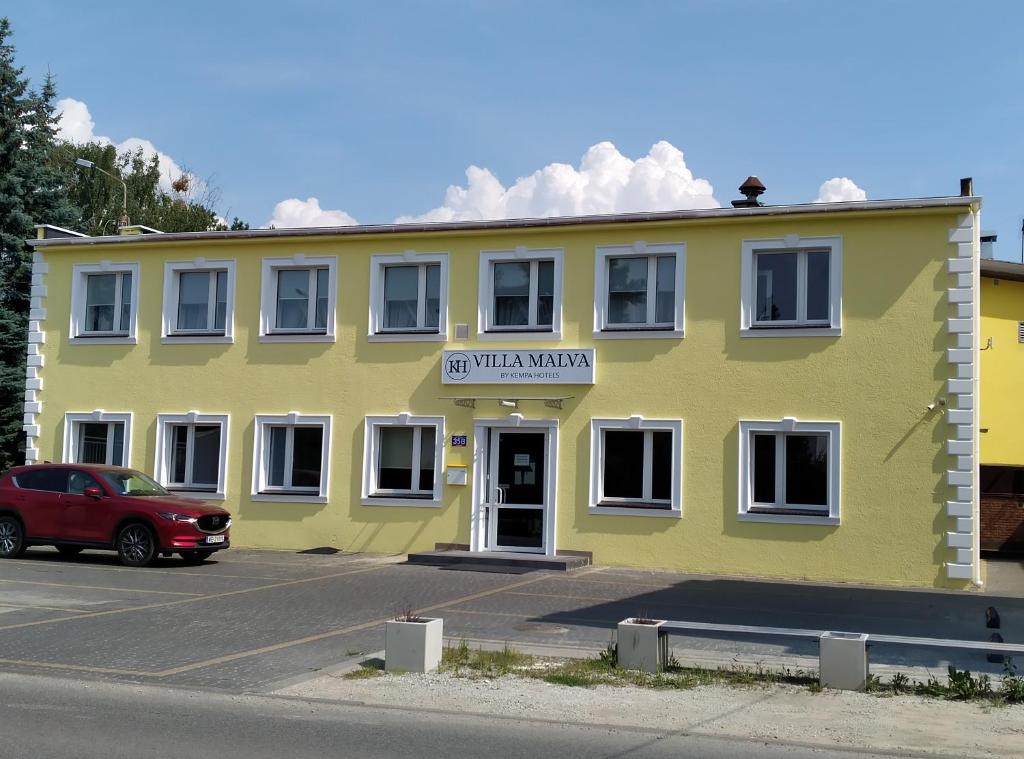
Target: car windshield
{"x":132,"y":483}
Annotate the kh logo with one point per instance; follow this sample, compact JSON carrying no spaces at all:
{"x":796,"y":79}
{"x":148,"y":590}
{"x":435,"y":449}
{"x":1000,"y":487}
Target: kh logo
{"x":456,"y":366}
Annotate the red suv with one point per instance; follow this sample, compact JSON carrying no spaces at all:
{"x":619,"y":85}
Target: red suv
{"x":76,"y":506}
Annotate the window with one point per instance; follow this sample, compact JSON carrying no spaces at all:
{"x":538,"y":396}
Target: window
{"x":521,"y":292}
{"x":198,"y":301}
{"x":639,"y":288}
{"x":792,"y":286}
{"x":191,"y":453}
{"x":636,"y":466}
{"x":402,"y":460}
{"x":408,"y":297}
{"x":97,"y":438}
{"x":1002,"y":481}
{"x":37,"y":478}
{"x":292,"y":454}
{"x":79,"y":481}
{"x":789,"y":471}
{"x":298,"y":299}
{"x":104,"y":303}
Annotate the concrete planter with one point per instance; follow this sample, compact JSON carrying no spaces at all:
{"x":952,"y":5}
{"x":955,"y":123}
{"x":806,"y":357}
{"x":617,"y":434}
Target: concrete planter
{"x":843,"y":660}
{"x":412,"y":646}
{"x":642,"y":646}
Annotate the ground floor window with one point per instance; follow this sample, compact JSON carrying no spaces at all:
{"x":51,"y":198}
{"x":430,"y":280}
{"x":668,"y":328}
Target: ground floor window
{"x":789,"y":471}
{"x":402,"y":460}
{"x":191,"y":453}
{"x":636,"y":466}
{"x":97,"y":438}
{"x":291,"y":458}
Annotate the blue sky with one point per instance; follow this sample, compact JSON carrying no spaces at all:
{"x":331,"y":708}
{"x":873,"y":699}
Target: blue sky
{"x":376,"y":108}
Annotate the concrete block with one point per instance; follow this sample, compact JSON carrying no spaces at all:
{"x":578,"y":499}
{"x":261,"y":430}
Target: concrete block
{"x":413,"y":646}
{"x":965,"y":494}
{"x":642,"y":646}
{"x":964,"y":556}
{"x":961,"y":326}
{"x":959,"y":294}
{"x":959,"y":540}
{"x":959,"y":571}
{"x":959,"y":447}
{"x":959,"y":265}
{"x":843,"y":660}
{"x":959,"y":509}
{"x":965,"y":524}
{"x":959,"y":386}
{"x":959,"y":479}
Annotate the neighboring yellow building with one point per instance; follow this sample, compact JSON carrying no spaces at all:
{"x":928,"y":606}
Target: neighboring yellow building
{"x":1002,"y":413}
{"x":780,"y":391}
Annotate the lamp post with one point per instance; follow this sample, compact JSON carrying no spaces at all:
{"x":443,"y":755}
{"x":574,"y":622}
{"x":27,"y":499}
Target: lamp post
{"x":124,"y":222}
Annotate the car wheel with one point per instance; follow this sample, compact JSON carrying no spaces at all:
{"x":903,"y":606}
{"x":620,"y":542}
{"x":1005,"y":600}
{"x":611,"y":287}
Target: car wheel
{"x":136,"y":546}
{"x":12,"y":538}
{"x":195,"y":557}
{"x":69,"y":551}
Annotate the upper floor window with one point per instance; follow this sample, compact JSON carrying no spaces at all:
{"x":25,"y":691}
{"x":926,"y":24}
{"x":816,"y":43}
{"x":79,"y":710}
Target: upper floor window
{"x":636,"y":466}
{"x":408,"y":296}
{"x":639,"y":288}
{"x":298,"y":299}
{"x":789,"y":471}
{"x":191,"y":453}
{"x":98,"y":437}
{"x":291,"y":458}
{"x":198,"y":301}
{"x":104,"y":302}
{"x":792,"y":286}
{"x":521,"y":292}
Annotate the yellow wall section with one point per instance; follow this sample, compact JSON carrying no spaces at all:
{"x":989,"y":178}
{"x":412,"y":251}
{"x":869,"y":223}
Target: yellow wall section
{"x":1002,"y":370}
{"x":877,"y":379}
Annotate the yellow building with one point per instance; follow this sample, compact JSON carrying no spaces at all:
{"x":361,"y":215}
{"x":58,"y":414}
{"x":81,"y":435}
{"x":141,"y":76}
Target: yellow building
{"x":1002,"y":414}
{"x":778,"y":391}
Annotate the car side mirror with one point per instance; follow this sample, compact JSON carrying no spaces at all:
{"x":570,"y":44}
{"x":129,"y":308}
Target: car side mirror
{"x":93,"y":492}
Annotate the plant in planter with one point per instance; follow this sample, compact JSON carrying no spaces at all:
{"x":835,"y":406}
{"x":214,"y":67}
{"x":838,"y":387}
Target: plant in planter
{"x":642,"y":644}
{"x":412,"y":643}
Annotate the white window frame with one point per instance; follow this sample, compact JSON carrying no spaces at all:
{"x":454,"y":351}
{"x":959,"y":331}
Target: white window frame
{"x":371,"y":496}
{"x":73,"y":421}
{"x":79,"y":282}
{"x":261,"y":458}
{"x":640,"y":249}
{"x":781,"y":513}
{"x":164,"y":439}
{"x":485,"y":309}
{"x":268,"y":299}
{"x":172,"y":273}
{"x":598,"y":503}
{"x":750,"y":327}
{"x":378,"y":263}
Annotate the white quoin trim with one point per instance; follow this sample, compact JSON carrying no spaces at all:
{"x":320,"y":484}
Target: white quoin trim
{"x":34,"y":359}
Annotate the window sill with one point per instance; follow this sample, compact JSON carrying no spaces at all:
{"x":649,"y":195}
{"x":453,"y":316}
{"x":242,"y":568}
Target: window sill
{"x":195,"y":339}
{"x":417,"y":503}
{"x":512,"y":336}
{"x":407,"y":337}
{"x":787,"y":517}
{"x":103,"y":340}
{"x":791,"y":332}
{"x":288,"y":498}
{"x":635,"y":511}
{"x":297,"y":337}
{"x":638,"y":334}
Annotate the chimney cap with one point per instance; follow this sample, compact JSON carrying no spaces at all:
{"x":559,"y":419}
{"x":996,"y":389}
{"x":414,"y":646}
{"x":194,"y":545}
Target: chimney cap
{"x":751,"y":188}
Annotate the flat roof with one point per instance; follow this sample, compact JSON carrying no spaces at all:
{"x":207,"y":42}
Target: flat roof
{"x":996,"y":269}
{"x":955,"y":201}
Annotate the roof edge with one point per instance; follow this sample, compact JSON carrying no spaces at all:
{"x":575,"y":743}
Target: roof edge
{"x":956,"y":201}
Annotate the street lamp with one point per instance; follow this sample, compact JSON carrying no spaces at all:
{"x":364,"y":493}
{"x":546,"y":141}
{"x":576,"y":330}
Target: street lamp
{"x":124,"y":207}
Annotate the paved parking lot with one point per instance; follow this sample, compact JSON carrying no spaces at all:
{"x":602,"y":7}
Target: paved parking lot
{"x":253,"y":620}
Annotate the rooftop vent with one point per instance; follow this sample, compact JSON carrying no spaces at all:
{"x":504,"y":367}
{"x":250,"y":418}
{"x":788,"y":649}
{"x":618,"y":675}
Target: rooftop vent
{"x":750,"y":188}
{"x":988,"y":244}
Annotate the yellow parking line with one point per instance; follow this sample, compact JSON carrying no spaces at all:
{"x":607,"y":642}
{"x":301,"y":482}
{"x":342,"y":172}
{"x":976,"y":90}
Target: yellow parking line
{"x":45,"y":608}
{"x":76,"y":668}
{"x":99,"y":587}
{"x":137,"y":570}
{"x":342,"y":631}
{"x":93,"y":614}
{"x":570,"y":598}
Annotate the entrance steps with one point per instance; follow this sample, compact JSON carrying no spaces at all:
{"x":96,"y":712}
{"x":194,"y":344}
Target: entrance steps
{"x":499,"y":561}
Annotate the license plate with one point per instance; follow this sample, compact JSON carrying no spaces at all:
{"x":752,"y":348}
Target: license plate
{"x":214,"y":538}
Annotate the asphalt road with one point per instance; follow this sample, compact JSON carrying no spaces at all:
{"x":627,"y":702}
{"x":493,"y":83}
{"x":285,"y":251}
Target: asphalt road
{"x":111,"y":721}
{"x":254,"y":620}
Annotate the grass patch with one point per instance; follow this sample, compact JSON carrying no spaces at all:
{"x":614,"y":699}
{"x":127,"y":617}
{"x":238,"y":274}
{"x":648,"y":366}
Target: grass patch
{"x":462,"y":659}
{"x":366,"y":671}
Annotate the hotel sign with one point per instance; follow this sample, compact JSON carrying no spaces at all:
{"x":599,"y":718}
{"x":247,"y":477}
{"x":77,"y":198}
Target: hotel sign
{"x":512,"y":367}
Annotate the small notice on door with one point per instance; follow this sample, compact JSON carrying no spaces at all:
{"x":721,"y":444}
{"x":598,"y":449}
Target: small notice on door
{"x":521,"y":459}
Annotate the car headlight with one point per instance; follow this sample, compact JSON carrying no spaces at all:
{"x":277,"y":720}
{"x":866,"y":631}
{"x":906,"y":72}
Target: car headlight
{"x":172,"y":517}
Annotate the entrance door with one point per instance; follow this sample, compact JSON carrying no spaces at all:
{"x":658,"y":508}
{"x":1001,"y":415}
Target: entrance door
{"x":517,"y":491}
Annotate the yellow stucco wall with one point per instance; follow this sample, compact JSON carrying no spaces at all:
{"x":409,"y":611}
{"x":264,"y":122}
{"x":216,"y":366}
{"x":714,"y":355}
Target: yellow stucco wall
{"x":1002,"y":372}
{"x":876,"y":379}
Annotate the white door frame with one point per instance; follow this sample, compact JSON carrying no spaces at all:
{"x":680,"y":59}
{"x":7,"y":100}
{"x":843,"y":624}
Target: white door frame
{"x":481,"y":464}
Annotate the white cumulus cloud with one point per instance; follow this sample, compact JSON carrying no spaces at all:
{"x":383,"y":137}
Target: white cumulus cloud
{"x":307,"y":213}
{"x":76,"y":125}
{"x":838,"y":190}
{"x":606,"y":181}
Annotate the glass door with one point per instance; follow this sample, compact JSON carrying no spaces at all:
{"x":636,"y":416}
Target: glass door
{"x":517,"y":485}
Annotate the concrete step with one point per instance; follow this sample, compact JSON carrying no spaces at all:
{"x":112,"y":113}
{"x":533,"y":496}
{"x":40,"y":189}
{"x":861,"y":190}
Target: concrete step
{"x":498,"y":561}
